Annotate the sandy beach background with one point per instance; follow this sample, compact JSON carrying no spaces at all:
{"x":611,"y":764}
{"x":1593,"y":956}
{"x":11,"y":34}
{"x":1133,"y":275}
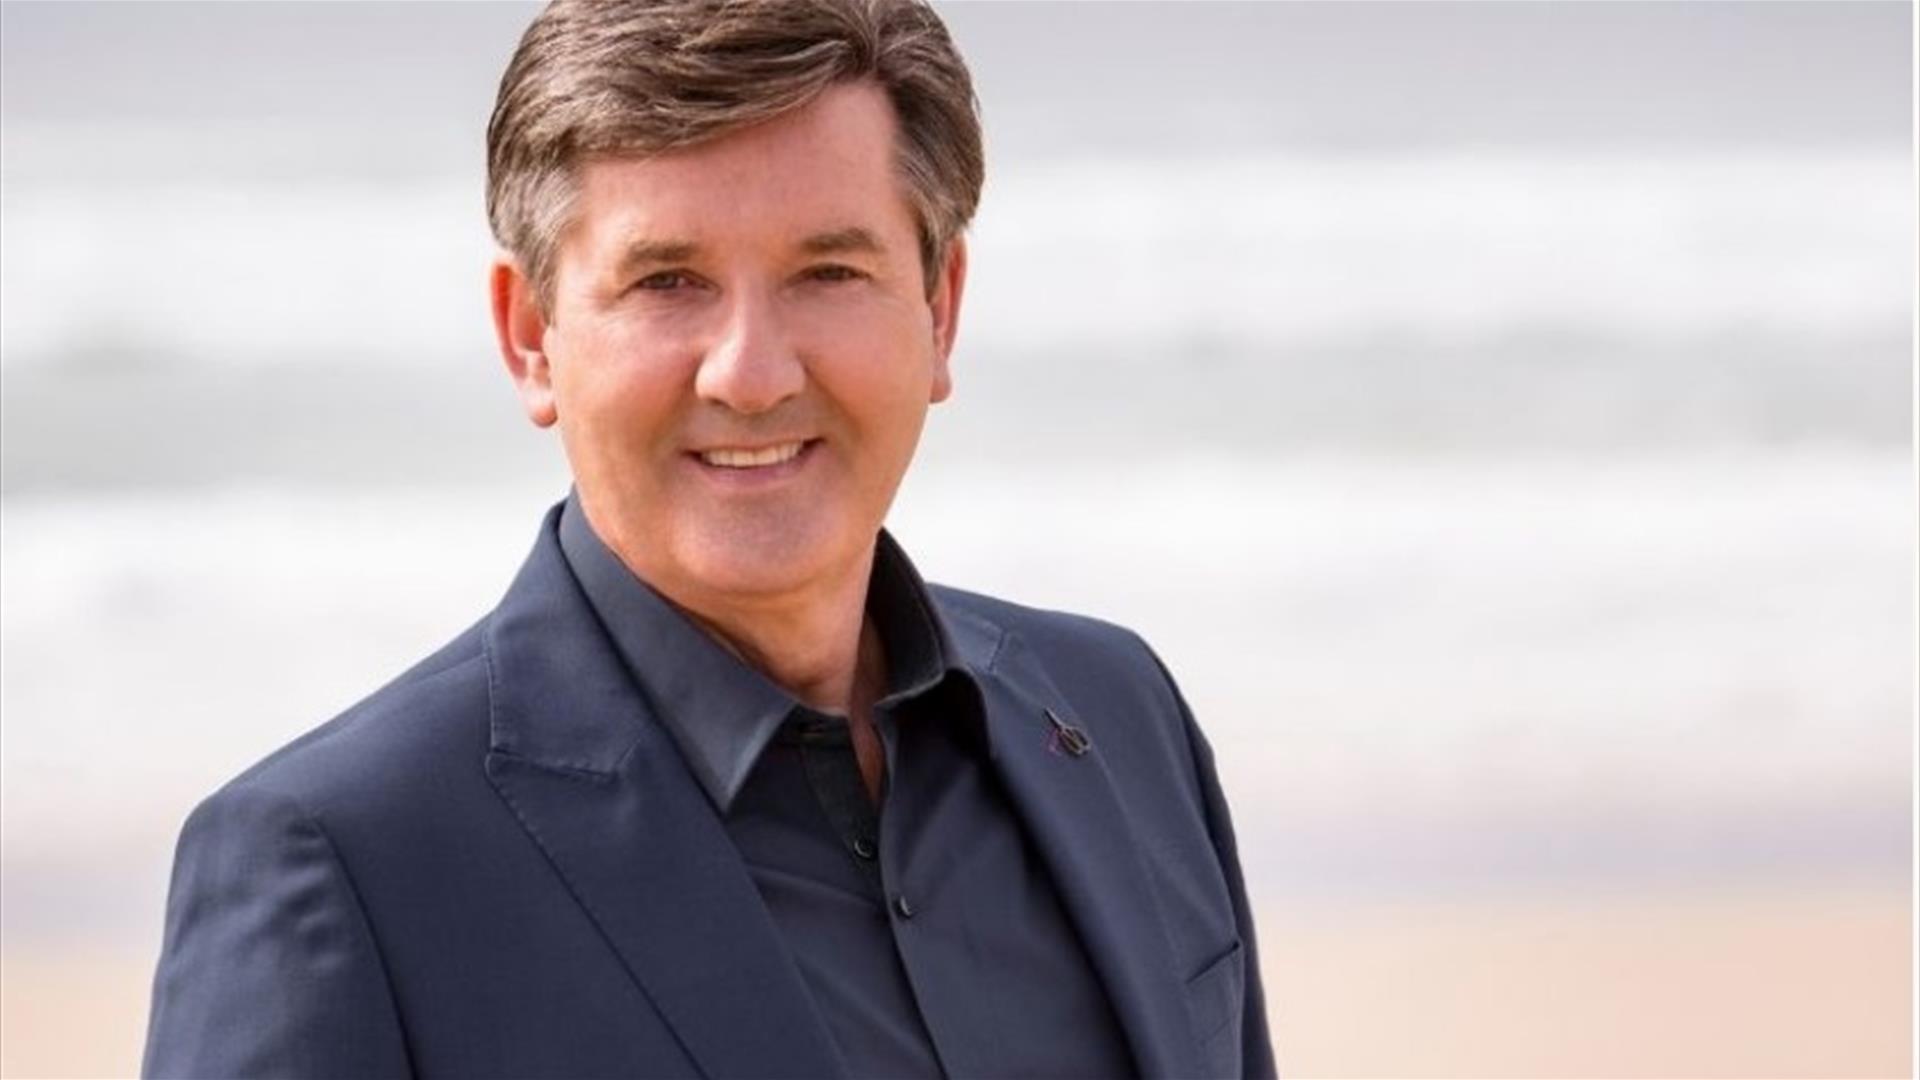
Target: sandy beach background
{"x":1498,"y":416}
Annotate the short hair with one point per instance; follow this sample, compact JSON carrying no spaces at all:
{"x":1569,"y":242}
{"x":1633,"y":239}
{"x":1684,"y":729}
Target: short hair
{"x":594,"y":77}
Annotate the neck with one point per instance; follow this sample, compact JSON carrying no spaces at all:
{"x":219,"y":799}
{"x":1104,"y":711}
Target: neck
{"x":817,"y":645}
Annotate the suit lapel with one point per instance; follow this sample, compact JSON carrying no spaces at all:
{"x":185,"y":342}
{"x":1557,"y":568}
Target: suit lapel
{"x":1081,"y":828}
{"x":600,"y":787}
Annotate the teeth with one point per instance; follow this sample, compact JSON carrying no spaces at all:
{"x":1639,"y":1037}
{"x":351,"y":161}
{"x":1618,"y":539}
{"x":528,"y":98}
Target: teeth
{"x":751,"y":459}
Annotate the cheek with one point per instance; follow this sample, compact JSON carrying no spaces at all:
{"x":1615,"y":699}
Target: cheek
{"x":872,"y":358}
{"x":614,"y":394}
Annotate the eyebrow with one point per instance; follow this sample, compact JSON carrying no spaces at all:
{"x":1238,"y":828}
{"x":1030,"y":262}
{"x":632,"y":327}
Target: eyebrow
{"x":843,"y":241}
{"x":850,"y":240}
{"x":654,"y":252}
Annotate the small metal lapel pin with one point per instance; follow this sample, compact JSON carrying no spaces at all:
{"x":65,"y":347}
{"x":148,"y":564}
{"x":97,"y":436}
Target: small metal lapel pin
{"x":1065,"y":738}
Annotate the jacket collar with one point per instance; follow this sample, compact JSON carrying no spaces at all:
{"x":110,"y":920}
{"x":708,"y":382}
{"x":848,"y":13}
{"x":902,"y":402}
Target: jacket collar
{"x":594,"y":777}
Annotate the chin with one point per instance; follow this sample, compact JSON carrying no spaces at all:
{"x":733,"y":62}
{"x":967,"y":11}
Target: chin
{"x":772,"y":559}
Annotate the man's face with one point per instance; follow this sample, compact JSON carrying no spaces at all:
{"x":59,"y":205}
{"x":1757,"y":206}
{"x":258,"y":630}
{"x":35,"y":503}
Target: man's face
{"x":741,"y":350}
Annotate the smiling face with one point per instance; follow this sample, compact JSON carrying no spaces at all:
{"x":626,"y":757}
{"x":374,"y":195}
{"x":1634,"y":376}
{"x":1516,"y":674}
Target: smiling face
{"x":740,"y":350}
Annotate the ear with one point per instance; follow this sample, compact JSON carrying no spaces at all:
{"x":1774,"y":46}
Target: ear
{"x":945,"y":304}
{"x":520,"y":325}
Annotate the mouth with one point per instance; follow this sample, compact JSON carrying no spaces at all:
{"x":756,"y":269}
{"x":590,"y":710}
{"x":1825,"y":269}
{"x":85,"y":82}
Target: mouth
{"x":755,"y":460}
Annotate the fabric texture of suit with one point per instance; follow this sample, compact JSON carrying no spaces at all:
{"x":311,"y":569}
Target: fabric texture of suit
{"x":500,"y":865}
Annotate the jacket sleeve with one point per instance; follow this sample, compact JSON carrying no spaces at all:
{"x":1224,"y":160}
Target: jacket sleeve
{"x":268,"y":966}
{"x":1256,"y":1051}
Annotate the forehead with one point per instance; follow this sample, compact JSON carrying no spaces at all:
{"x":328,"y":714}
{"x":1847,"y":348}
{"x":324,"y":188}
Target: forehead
{"x":830,"y":165}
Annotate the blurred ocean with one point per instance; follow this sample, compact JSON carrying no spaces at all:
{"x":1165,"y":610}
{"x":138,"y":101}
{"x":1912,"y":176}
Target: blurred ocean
{"x":1609,"y":304}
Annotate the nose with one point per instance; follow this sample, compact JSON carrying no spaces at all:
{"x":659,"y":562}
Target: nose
{"x":751,"y":367}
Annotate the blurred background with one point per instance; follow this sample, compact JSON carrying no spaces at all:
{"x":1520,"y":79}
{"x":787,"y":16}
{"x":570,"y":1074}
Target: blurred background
{"x":1498,"y":415}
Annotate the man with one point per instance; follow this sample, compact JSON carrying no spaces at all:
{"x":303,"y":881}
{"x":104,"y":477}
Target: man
{"x":721,"y":788}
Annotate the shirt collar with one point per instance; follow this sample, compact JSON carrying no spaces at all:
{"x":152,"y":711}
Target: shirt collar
{"x":721,"y":712}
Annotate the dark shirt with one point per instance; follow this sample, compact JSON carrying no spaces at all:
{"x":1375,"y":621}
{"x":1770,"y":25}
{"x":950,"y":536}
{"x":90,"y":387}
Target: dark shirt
{"x":926,"y":927}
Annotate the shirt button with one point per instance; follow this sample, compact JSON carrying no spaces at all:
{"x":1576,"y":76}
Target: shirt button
{"x":863,"y":847}
{"x":901,"y":905}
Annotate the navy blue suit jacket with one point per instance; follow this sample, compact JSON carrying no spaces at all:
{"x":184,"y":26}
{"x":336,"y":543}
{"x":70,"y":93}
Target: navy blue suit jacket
{"x":500,"y":865}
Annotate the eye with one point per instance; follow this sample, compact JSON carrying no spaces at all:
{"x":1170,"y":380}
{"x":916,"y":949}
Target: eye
{"x":834,"y":272}
{"x":665,"y":281}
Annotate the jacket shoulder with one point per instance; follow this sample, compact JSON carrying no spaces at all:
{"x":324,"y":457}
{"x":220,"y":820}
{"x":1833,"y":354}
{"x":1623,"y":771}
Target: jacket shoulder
{"x":264,"y":884}
{"x":987,"y":621}
{"x":404,"y":728}
{"x":1083,"y":655}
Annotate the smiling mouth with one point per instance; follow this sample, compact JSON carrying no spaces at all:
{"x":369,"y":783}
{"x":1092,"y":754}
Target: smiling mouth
{"x":728,"y":457}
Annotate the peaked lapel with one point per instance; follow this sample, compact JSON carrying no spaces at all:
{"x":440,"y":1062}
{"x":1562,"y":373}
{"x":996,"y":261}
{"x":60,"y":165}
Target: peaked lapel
{"x":1083,"y":832}
{"x":598,"y":784}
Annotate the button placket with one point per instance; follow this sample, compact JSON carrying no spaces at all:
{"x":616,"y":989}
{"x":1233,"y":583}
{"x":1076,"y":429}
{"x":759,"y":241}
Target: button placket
{"x":834,"y":774}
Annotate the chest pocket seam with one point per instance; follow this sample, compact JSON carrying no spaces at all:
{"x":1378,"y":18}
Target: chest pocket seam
{"x":1214,"y":996}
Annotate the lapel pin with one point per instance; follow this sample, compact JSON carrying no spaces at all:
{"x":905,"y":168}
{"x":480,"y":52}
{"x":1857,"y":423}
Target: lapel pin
{"x":1065,"y":738}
